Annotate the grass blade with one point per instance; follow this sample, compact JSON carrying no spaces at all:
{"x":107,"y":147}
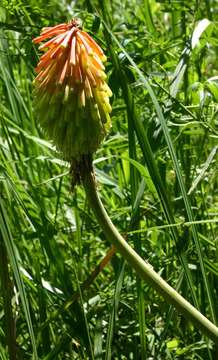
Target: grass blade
{"x":9,"y":244}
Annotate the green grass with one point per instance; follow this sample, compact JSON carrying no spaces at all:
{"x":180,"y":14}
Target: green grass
{"x":156,"y":174}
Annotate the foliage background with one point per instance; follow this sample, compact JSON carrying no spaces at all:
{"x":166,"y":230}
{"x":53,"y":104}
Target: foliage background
{"x":52,"y":240}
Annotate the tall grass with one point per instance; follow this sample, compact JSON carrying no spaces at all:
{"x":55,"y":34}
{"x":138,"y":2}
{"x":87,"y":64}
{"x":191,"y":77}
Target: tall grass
{"x":157,"y":177}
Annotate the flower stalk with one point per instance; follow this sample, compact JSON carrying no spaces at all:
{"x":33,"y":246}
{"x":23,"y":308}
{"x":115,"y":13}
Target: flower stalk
{"x":143,"y":268}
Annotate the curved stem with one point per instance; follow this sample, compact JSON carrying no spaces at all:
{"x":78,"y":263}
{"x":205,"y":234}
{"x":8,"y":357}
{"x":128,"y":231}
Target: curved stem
{"x":143,"y":268}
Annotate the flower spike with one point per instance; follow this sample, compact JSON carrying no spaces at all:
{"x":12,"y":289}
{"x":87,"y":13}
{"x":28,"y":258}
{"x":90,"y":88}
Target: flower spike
{"x":71,"y":97}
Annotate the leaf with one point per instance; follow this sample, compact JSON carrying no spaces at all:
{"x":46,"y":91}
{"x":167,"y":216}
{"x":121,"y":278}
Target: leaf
{"x":198,"y":31}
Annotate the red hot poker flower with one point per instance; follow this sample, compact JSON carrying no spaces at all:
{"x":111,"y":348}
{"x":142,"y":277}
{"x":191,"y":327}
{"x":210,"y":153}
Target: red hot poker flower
{"x":71,"y":97}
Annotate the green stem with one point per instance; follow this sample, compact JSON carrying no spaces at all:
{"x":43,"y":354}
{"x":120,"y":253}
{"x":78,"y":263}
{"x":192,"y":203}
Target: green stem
{"x":143,"y":268}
